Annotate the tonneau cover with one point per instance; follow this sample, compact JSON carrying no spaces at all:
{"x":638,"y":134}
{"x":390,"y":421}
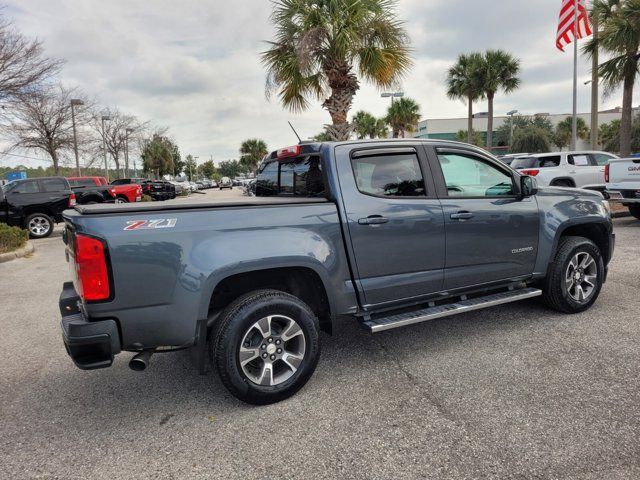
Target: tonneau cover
{"x":105,"y":208}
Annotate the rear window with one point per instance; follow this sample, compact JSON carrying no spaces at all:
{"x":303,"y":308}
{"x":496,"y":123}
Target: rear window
{"x":536,"y":162}
{"x":300,"y":177}
{"x":54,"y":185}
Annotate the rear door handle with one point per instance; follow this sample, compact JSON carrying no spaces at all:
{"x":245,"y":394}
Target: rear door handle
{"x":461,"y":216}
{"x":373,"y":220}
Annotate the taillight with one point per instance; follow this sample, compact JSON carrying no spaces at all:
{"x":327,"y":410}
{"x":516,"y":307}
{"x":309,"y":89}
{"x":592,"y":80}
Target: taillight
{"x":531,"y":172}
{"x":147,"y":188}
{"x":112,"y":191}
{"x":606,"y":173}
{"x":72,"y":200}
{"x":91,"y":267}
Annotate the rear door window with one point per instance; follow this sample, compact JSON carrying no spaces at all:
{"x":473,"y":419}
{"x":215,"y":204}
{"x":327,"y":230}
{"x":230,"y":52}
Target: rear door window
{"x":29,"y":186}
{"x":579,"y":160}
{"x":389,"y":175}
{"x":536,"y":162}
{"x":601,"y":158}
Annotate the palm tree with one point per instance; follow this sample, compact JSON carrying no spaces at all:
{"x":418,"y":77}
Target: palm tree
{"x":464,"y":83}
{"x":403,"y":115}
{"x":251,"y":152}
{"x":564,"y":129}
{"x":364,"y":125}
{"x":499,"y":71}
{"x":322,"y":46}
{"x":618,"y":36}
{"x":381,"y":128}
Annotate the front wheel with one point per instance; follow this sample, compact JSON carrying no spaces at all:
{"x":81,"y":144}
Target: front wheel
{"x":121,"y":200}
{"x":635,"y":211}
{"x":265,"y":346}
{"x":575,"y":279}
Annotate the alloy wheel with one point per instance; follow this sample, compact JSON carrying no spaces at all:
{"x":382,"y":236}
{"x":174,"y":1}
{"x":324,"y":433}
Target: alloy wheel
{"x":39,"y":226}
{"x":581,"y":277}
{"x":272,"y":350}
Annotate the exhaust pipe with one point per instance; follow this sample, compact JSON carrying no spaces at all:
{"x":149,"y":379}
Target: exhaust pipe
{"x":140,"y":361}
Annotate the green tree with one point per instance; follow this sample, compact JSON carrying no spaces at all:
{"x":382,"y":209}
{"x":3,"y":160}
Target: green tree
{"x":230,"y":168}
{"x":609,"y":135}
{"x":178,"y":164}
{"x":322,"y":46}
{"x":251,"y":152}
{"x":157,"y":156}
{"x":462,"y":136}
{"x":323,"y":136}
{"x":499,"y":71}
{"x":403,"y":115}
{"x":381,"y":128}
{"x":207,"y":169}
{"x":503,"y":133}
{"x":464,"y":82}
{"x":619,"y":37}
{"x":530,"y":139}
{"x":564,"y":131}
{"x":365,"y":125}
{"x":190,"y":167}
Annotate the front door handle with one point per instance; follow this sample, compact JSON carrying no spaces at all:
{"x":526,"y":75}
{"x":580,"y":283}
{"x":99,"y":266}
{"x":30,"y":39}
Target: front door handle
{"x":373,"y":220}
{"x":461,"y":216}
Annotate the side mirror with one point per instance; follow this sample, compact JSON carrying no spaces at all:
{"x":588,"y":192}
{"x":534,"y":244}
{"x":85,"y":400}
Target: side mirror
{"x":528,"y":186}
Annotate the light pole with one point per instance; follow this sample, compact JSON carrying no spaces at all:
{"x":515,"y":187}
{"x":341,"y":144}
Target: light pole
{"x":75,"y":102}
{"x":511,"y":114}
{"x":392,"y":95}
{"x":126,"y":149}
{"x":105,"y":118}
{"x":195,"y":160}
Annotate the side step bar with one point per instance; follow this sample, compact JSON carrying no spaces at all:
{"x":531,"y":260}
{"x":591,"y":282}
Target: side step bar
{"x":431,"y":313}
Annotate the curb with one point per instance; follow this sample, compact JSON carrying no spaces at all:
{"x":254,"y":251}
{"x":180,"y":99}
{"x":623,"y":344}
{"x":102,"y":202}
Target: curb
{"x":620,"y":214}
{"x":21,"y":252}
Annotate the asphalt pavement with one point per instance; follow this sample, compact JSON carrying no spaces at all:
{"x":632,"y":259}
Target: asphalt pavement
{"x":517,"y":391}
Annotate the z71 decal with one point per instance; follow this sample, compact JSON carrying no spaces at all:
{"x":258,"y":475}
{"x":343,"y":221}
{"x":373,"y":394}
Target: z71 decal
{"x":151,"y":224}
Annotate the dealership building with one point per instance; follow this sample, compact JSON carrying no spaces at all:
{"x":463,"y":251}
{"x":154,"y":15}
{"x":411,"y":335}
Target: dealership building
{"x":447,"y":128}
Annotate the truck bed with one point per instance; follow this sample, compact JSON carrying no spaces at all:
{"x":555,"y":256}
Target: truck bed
{"x":101,"y":209}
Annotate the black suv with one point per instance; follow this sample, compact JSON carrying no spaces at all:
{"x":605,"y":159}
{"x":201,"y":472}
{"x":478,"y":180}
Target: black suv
{"x":35,"y":204}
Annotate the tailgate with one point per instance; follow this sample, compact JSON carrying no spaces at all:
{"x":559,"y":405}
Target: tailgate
{"x":624,"y":174}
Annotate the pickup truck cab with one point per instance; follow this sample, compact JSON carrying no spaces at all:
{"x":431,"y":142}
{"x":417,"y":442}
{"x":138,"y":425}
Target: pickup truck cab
{"x":35,"y":204}
{"x":116,"y":193}
{"x":584,"y":169}
{"x":623,"y":183}
{"x":386,"y":233}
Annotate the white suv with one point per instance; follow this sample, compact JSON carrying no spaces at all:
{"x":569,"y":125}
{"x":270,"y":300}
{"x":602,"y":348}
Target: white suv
{"x":566,"y":169}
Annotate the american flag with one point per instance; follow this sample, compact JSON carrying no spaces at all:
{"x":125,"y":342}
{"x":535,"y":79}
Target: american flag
{"x":566,"y":23}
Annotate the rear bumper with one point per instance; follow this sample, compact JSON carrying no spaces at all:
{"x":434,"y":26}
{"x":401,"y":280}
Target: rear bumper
{"x":623,"y":196}
{"x":90,"y":344}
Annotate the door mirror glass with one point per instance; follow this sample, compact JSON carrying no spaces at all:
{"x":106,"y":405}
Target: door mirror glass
{"x":528,"y":186}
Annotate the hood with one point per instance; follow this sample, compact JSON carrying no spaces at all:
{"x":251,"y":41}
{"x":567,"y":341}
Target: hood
{"x":569,"y":191}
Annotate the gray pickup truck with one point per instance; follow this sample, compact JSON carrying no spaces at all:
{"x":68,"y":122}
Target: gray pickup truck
{"x":387,"y":233}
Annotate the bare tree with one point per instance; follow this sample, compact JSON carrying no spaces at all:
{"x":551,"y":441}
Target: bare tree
{"x":23,"y":66}
{"x":41,"y":121}
{"x":117,"y":128}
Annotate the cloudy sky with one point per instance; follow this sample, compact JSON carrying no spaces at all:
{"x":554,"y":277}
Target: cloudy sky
{"x":193,"y":65}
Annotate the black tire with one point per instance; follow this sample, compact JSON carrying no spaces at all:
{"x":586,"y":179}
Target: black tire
{"x":634,"y":210}
{"x":556,"y":292}
{"x":231,"y":330}
{"x":39,"y":225}
{"x":562,"y":183}
{"x":121,"y":199}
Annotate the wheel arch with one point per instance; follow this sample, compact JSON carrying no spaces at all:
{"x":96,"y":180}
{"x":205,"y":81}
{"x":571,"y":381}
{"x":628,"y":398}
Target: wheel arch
{"x":306,"y":282}
{"x":571,"y":181}
{"x":596,"y":231}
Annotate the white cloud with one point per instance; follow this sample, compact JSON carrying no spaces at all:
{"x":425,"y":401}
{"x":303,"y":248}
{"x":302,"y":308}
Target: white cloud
{"x":194,"y":65}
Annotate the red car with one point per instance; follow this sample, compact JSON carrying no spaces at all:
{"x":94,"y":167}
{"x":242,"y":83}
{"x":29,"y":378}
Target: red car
{"x":121,"y":193}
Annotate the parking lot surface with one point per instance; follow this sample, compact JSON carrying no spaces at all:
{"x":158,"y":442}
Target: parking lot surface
{"x":516,"y":391}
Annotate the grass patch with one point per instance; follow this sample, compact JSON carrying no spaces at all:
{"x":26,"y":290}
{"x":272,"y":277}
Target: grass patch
{"x":12,"y":238}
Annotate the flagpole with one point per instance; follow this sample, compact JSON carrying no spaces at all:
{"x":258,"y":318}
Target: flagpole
{"x":574,"y":123}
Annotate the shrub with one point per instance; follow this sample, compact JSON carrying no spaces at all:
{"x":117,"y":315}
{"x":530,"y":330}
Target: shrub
{"x":146,"y":198}
{"x":12,"y":238}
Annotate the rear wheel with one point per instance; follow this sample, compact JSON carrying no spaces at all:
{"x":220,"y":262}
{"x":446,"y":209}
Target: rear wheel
{"x":121,"y":200}
{"x":575,"y":279}
{"x":635,"y":211}
{"x":265,"y":346}
{"x":39,"y":225}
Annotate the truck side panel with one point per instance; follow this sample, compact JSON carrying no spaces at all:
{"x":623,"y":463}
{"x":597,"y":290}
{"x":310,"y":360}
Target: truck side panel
{"x":164,"y":277}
